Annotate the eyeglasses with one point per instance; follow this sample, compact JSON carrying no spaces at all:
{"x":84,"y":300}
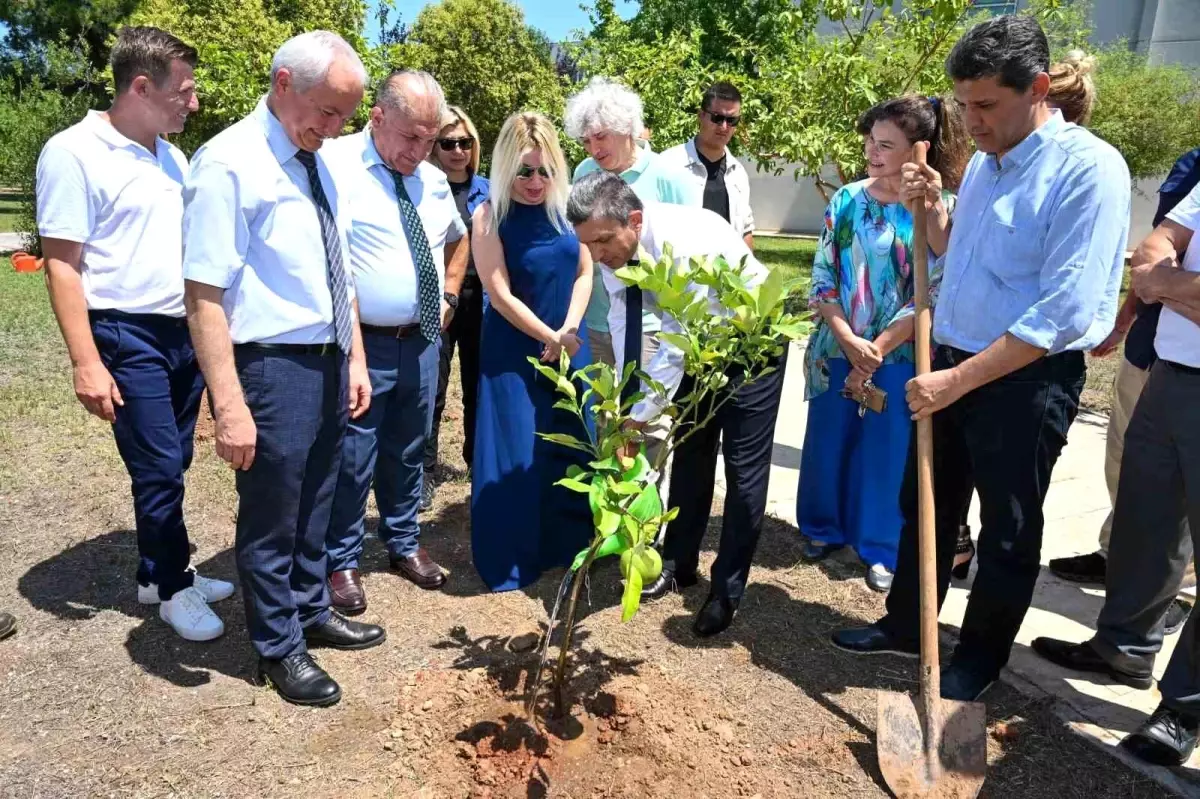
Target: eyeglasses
{"x":525,"y":172}
{"x":450,"y":145}
{"x":721,"y":119}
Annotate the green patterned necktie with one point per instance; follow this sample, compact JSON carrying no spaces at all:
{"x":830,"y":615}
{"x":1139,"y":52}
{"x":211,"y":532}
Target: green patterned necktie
{"x":418,"y":245}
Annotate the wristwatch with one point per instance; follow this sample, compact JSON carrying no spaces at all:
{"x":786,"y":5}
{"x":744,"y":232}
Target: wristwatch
{"x":451,"y":300}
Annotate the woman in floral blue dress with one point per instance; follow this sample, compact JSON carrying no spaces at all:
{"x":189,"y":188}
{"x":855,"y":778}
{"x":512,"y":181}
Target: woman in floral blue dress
{"x":862,"y":291}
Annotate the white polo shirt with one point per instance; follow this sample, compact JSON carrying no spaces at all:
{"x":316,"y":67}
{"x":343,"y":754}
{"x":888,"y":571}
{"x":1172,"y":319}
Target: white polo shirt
{"x":385,"y":274}
{"x":1178,"y":338}
{"x":691,"y":232}
{"x":737,"y":181}
{"x":124,"y":204}
{"x":250,"y":226}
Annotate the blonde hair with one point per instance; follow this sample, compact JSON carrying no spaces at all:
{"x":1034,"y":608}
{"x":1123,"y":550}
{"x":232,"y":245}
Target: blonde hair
{"x":456,"y":116}
{"x":522,"y":133}
{"x":1071,"y":88}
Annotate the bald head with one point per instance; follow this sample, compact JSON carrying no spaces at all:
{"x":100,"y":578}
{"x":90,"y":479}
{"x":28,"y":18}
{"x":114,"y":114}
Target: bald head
{"x":407,"y":116}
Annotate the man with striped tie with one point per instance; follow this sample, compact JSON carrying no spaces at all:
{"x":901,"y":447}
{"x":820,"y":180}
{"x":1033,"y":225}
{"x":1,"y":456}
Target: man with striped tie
{"x":270,"y":303}
{"x":408,"y":254}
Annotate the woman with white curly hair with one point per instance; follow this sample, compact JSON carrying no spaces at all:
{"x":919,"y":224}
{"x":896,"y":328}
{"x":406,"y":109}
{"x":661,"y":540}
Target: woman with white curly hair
{"x":606,"y":118}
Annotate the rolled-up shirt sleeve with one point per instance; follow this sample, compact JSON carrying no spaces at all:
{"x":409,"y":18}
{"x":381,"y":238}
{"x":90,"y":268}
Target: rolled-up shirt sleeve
{"x":216,"y":235}
{"x":1089,"y":225}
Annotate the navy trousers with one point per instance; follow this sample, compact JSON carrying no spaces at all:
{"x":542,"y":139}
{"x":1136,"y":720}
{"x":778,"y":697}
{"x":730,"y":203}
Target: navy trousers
{"x":386,"y":444}
{"x":300,"y":406}
{"x":745,"y":425}
{"x":152,"y":362}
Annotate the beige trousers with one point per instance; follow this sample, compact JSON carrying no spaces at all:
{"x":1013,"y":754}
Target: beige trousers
{"x":1127,"y":387}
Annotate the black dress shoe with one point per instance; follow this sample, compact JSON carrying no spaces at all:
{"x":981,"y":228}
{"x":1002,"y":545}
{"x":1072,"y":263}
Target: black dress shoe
{"x":1089,"y":569}
{"x":1167,"y":738}
{"x":299,"y":680}
{"x":964,"y":685}
{"x":341,"y":633}
{"x":816,"y":551}
{"x":872,"y":640}
{"x":669,"y":581}
{"x":8,"y":625}
{"x":1084,"y":657}
{"x":714,"y":617}
{"x":428,"y":489}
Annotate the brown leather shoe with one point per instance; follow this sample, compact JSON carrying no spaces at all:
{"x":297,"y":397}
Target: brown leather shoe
{"x":420,"y":569}
{"x":346,"y":592}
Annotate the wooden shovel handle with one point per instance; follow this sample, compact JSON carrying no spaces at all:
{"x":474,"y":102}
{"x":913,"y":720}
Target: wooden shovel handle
{"x":927,"y":538}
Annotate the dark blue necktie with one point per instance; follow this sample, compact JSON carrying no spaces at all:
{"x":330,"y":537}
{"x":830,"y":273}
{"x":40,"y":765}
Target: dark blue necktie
{"x":343,"y":322}
{"x":633,"y":335}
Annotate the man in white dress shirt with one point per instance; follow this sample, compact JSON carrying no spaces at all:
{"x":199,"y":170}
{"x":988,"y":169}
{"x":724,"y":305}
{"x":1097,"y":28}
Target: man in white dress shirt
{"x":408,"y":256}
{"x":270,"y":302}
{"x":618,"y":229}
{"x":718,"y":175}
{"x":109,"y":209}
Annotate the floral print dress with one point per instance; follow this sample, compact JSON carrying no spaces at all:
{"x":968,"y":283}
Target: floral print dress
{"x":864,"y":263}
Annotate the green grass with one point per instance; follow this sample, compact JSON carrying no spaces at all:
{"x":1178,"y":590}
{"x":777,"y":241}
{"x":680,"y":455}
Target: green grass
{"x":10,"y":210}
{"x":795,"y":256}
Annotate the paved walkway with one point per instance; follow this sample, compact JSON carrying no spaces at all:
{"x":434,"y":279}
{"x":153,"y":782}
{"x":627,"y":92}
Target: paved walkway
{"x":10,"y":242}
{"x":1075,"y":507}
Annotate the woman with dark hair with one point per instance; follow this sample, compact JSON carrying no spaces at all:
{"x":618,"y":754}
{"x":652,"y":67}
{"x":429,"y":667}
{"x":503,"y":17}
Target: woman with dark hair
{"x":862,"y":289}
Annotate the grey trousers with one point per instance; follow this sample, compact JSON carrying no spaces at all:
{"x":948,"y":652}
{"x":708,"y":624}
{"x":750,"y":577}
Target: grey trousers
{"x":1159,"y":493}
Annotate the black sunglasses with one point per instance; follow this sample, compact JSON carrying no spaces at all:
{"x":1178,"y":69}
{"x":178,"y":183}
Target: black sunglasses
{"x":721,"y":119}
{"x":450,"y":145}
{"x":525,"y":171}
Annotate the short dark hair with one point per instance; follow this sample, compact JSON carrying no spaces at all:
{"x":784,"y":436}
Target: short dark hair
{"x":601,"y":195}
{"x":1012,"y":48}
{"x":142,"y":50}
{"x":721,"y":90}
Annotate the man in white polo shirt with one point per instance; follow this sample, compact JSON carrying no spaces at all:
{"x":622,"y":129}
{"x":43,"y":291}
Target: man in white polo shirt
{"x":408,"y":256}
{"x":717,"y":174}
{"x":109,"y":209}
{"x":270,"y":302}
{"x":1159,"y":487}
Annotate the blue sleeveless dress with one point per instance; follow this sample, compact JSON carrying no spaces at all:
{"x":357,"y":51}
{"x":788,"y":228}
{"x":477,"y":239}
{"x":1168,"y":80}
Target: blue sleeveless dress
{"x":521,"y":523}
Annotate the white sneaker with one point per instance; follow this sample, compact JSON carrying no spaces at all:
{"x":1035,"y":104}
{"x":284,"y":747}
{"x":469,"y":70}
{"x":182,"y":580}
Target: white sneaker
{"x":211,"y":590}
{"x":190,"y":616}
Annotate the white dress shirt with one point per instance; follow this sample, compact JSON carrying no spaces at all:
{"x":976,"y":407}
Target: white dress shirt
{"x":250,"y":226}
{"x":737,"y":182}
{"x":1178,"y":338}
{"x":124,"y":204}
{"x":385,"y":275}
{"x":691,"y":232}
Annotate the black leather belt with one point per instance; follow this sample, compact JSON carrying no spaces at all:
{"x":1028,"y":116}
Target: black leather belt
{"x":288,"y":349}
{"x":400,"y":331}
{"x":1179,"y":367}
{"x":144,"y":318}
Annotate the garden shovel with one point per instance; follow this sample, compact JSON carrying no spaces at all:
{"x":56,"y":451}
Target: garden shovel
{"x":928,"y":746}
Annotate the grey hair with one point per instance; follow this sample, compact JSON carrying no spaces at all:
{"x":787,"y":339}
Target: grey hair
{"x":309,"y":56}
{"x":604,"y":104}
{"x":602,"y":195}
{"x":393,"y":94}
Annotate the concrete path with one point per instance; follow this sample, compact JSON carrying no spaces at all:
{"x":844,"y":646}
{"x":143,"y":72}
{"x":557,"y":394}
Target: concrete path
{"x":1075,"y":507}
{"x":10,"y":242}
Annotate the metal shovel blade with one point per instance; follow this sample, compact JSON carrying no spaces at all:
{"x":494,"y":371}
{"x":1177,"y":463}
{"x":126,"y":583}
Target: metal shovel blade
{"x":910,"y":768}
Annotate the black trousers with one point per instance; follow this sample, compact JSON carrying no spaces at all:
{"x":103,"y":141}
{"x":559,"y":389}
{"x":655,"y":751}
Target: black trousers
{"x":1003,"y":439}
{"x":463,"y":332}
{"x":746,"y":425}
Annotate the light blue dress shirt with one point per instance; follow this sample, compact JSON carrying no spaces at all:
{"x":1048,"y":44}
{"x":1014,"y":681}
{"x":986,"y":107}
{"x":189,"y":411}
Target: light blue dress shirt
{"x":385,"y":276}
{"x":1038,"y":244}
{"x":250,"y":227}
{"x":653,"y":180}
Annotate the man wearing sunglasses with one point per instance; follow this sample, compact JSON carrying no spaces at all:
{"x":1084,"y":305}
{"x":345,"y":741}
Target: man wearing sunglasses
{"x":706,"y":157}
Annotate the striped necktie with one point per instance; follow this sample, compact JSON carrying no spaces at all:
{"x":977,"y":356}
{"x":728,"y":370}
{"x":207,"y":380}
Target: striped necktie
{"x":343,"y":330}
{"x":418,"y":245}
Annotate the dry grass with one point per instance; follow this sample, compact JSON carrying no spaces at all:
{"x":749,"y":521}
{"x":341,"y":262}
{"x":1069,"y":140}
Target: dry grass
{"x":98,"y":698}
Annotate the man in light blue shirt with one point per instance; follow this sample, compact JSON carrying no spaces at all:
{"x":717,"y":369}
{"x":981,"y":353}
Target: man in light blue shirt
{"x":409,"y":255}
{"x":1030,"y":282}
{"x":270,"y":303}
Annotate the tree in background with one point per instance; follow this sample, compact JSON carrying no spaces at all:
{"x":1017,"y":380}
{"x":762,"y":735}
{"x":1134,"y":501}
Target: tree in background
{"x":487,"y":59}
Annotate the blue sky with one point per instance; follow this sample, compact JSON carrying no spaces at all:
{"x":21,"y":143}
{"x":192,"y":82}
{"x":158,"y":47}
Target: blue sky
{"x":557,"y":18}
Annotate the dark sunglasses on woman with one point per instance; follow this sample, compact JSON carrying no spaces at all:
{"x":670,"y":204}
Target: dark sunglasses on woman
{"x":450,"y":145}
{"x":525,"y":172}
